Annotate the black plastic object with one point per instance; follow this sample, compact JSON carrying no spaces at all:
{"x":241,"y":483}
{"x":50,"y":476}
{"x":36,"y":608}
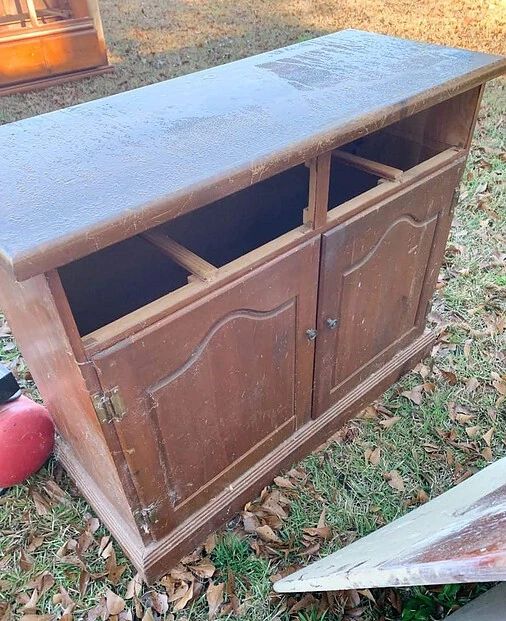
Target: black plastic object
{"x":9,"y":388}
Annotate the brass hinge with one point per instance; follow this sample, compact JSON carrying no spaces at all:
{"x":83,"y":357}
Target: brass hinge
{"x":109,"y":406}
{"x":145,"y":517}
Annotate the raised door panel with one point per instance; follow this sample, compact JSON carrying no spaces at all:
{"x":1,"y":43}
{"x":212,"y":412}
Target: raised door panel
{"x":211,"y":389}
{"x":378,"y":273}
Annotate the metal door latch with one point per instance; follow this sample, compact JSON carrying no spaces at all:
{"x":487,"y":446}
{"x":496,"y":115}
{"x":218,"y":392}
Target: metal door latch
{"x":311,"y":334}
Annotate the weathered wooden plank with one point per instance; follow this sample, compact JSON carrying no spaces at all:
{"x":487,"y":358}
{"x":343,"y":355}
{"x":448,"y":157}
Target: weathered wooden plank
{"x":458,"y":537}
{"x":491,"y":606}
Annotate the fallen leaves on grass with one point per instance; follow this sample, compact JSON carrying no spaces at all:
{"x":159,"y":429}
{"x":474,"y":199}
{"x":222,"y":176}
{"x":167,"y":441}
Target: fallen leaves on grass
{"x":373,"y":456}
{"x":214,"y":597}
{"x":395,"y":480}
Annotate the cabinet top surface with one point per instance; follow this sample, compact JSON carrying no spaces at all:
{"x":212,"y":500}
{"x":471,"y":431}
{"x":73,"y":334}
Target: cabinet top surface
{"x":78,"y":179}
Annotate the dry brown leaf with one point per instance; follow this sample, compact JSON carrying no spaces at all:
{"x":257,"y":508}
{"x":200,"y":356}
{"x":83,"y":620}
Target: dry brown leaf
{"x":34,"y":542}
{"x":463,"y":419}
{"x":368,"y":413}
{"x":373,"y":456}
{"x":414,"y":395}
{"x":92,"y":525}
{"x":305,"y":603}
{"x":471,"y":385}
{"x":84,"y":581}
{"x":487,"y":454}
{"x":31,"y":605}
{"x":55,"y":492}
{"x":134,"y":587}
{"x":41,"y":504}
{"x":388,"y":423}
{"x":186,"y":594}
{"x":148,"y":615}
{"x":488,"y":436}
{"x":285,"y":483}
{"x":395,"y":480}
{"x":43,"y":582}
{"x":114,"y":571}
{"x":204,"y":569}
{"x":250,"y":522}
{"x":84,"y":542}
{"x":273,"y":507}
{"x":159,"y":602}
{"x":26,"y":561}
{"x":500,"y":385}
{"x":115,"y":603}
{"x":210,"y":543}
{"x":449,"y":376}
{"x":31,"y":617}
{"x":266,"y":533}
{"x":472,"y":432}
{"x":214,"y":596}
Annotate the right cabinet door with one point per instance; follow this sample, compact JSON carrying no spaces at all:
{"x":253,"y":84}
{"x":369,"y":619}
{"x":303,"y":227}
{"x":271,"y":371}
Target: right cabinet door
{"x":378,"y":272}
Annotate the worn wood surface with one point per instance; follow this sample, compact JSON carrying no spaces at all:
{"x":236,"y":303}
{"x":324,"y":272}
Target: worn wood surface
{"x":39,"y":322}
{"x":373,"y":293}
{"x":198,"y":148}
{"x":190,"y":364}
{"x":216,"y":386}
{"x":458,"y":537}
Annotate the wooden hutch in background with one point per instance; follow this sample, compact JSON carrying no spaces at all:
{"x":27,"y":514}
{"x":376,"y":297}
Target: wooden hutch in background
{"x":44,"y":42}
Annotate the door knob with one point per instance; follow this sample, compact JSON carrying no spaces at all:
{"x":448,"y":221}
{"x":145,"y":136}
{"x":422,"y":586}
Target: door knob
{"x":332,"y":323}
{"x":311,"y":334}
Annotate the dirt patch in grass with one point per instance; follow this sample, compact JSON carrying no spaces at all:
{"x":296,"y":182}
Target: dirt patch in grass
{"x":57,"y":560}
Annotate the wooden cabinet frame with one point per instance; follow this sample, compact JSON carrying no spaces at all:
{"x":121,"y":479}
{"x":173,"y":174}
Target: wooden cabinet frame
{"x":192,"y":348}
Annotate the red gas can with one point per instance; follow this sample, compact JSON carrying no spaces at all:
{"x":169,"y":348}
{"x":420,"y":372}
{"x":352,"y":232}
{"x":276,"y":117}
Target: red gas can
{"x":26,"y":432}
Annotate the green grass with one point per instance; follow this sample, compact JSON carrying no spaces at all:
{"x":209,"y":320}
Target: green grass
{"x":355,"y":494}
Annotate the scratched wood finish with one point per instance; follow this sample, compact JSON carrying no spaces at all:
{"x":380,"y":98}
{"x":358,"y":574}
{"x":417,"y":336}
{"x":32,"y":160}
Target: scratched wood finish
{"x":174,"y":328}
{"x":373,"y":292}
{"x":458,"y":537}
{"x":260,"y":115}
{"x":230,"y":375}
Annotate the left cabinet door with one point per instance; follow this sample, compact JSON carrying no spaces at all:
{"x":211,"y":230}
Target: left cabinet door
{"x":211,"y":389}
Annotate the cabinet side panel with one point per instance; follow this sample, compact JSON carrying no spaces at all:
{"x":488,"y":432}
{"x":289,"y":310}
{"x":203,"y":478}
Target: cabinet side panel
{"x":33,"y":317}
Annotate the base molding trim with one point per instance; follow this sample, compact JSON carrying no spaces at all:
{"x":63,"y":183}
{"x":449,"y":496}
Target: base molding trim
{"x":154,"y":559}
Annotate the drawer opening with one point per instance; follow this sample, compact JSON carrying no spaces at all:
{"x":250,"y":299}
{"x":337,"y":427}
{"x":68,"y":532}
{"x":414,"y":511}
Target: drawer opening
{"x":117,"y":280}
{"x":244,"y":221}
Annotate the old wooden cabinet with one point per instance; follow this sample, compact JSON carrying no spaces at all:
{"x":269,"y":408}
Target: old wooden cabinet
{"x":229,"y":265}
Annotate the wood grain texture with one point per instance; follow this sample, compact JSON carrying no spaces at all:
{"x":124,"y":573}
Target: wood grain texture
{"x":376,"y":168}
{"x":245,"y":108}
{"x":373,"y":282}
{"x":188,"y":534}
{"x":458,"y":537}
{"x":35,"y":319}
{"x":215,"y":386}
{"x":187,"y":259}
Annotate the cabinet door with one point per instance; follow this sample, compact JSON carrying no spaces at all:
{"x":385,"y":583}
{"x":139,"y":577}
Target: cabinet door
{"x":209,"y":390}
{"x":378,"y":273}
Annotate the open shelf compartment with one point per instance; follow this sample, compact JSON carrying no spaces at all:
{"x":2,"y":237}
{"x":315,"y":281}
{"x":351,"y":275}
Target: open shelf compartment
{"x":118,"y":280}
